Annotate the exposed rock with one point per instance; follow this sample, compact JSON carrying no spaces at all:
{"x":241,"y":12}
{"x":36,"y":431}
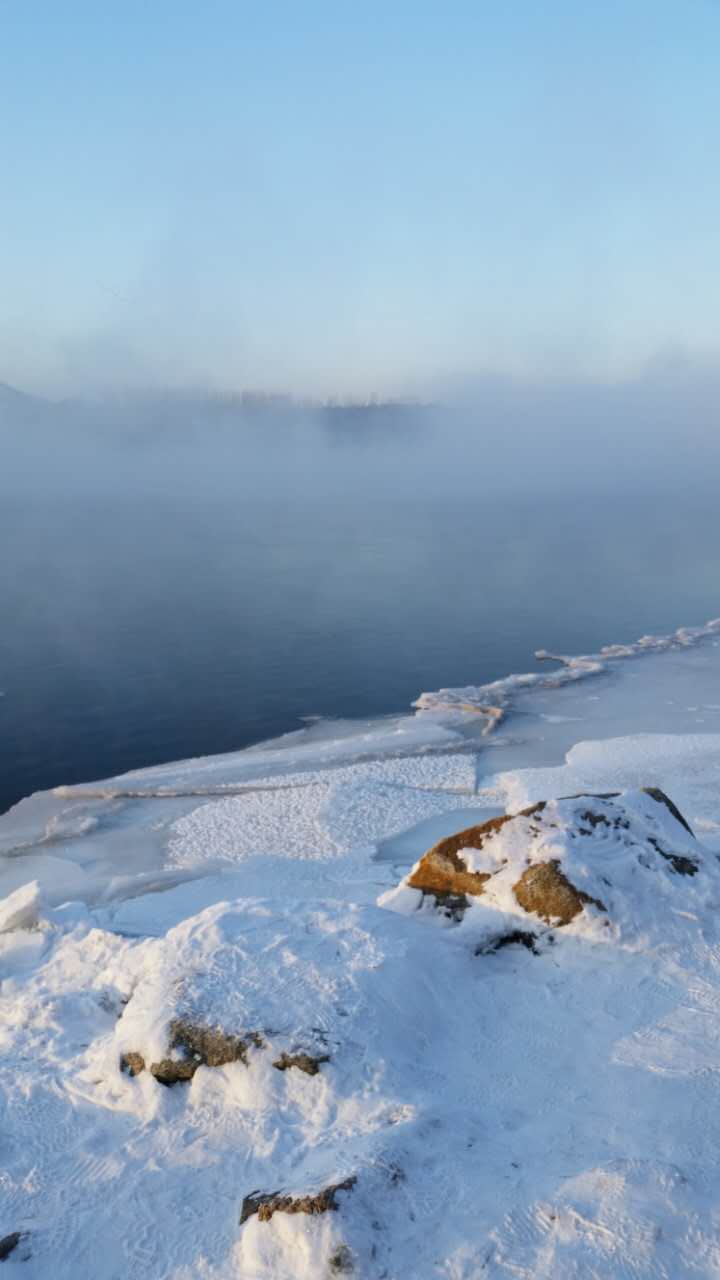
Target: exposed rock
{"x":452,"y":905}
{"x":132,"y":1064}
{"x":515,"y":938}
{"x":544,"y":891}
{"x":170,"y":1071}
{"x":200,"y":1047}
{"x":210,"y":1047}
{"x":266,"y":1203}
{"x":341,"y":1261}
{"x":656,"y":794}
{"x":9,"y":1243}
{"x":303,"y":1061}
{"x":684,"y":866}
{"x":593,"y":820}
{"x":442,"y":872}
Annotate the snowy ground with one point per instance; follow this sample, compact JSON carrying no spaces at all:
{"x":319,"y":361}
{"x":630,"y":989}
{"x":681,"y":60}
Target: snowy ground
{"x":502,"y":1115}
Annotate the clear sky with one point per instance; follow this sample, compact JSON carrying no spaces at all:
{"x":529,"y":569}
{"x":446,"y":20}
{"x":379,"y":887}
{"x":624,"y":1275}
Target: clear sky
{"x":331,"y":197}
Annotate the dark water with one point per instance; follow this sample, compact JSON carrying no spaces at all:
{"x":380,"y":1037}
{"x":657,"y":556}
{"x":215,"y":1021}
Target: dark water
{"x":136,"y":631}
{"x":172,"y":589}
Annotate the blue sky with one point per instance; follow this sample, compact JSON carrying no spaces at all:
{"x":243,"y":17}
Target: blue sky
{"x":336,"y":198}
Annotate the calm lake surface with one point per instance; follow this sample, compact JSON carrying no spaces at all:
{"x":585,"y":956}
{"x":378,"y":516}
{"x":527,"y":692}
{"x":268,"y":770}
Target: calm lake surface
{"x":143,"y":622}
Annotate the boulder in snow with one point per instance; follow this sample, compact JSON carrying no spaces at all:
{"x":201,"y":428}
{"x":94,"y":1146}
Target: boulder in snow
{"x":246,"y":982}
{"x":606,"y":859}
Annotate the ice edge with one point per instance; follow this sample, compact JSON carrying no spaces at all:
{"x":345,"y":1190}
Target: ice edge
{"x":495,"y":700}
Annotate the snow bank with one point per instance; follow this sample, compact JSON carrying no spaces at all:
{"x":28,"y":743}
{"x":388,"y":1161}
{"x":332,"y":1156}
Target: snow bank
{"x":687,"y":766}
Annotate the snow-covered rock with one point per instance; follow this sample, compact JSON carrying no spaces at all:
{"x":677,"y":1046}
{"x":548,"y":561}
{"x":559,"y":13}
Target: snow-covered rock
{"x":613,"y":866}
{"x":249,"y":978}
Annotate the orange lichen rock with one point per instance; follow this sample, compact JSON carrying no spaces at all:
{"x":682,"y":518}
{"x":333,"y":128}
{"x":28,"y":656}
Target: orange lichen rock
{"x":544,"y":891}
{"x":442,"y":872}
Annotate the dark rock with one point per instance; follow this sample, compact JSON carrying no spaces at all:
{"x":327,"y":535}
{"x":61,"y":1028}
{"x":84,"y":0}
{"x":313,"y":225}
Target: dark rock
{"x":303,"y":1061}
{"x":516,"y":937}
{"x":267,"y":1203}
{"x":679,"y":863}
{"x":593,"y":820}
{"x":132,"y":1064}
{"x":199,"y":1047}
{"x":341,"y":1262}
{"x":656,"y":794}
{"x":9,"y":1243}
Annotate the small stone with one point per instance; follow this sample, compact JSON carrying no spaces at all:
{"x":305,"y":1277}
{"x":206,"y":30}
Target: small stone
{"x":267,"y":1203}
{"x":340,"y":1262}
{"x":132,"y":1064}
{"x":303,"y":1061}
{"x":515,"y":938}
{"x":9,"y":1243}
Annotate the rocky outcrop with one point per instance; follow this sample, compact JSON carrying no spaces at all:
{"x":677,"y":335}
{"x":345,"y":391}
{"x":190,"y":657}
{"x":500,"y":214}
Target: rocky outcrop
{"x":656,"y":794}
{"x":678,"y":862}
{"x":201,"y":1046}
{"x":544,"y":891}
{"x":265,"y":1204}
{"x":552,"y":859}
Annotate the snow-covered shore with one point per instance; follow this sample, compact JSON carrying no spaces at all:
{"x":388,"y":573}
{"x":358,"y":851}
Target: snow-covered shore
{"x":478,"y":1112}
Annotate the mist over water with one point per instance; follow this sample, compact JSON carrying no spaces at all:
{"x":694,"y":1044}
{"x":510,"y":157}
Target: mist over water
{"x":181,"y":576}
